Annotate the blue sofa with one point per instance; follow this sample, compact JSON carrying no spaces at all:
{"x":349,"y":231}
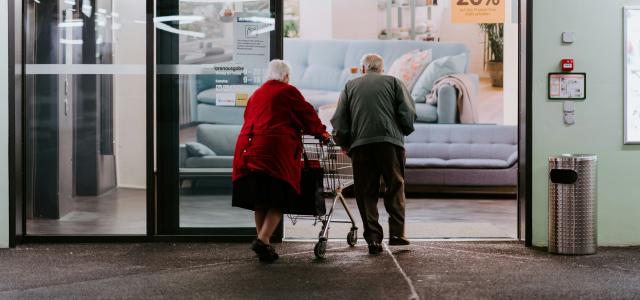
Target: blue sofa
{"x":221,"y":139}
{"x":438,"y":155}
{"x":460,"y":155}
{"x":320,"y":70}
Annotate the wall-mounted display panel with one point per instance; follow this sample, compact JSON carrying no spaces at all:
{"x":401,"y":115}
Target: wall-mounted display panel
{"x":567,"y":86}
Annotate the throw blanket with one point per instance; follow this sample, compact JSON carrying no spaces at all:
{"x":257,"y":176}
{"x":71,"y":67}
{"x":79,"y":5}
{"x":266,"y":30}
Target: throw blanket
{"x":467,"y":91}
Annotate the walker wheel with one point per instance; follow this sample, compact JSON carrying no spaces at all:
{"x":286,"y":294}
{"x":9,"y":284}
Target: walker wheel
{"x":320,"y":249}
{"x":352,"y":238}
{"x":320,"y":234}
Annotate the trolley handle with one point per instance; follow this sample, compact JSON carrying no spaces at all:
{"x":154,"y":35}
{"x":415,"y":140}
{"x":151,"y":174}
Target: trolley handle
{"x":327,"y":139}
{"x":329,"y":142}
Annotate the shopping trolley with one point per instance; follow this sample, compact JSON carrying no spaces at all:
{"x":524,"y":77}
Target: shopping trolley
{"x":338,"y":175}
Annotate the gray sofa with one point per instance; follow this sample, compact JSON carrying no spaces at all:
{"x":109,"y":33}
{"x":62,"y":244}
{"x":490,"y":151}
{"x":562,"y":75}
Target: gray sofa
{"x":438,"y":155}
{"x":221,"y":139}
{"x":462,"y":156}
{"x":320,"y":70}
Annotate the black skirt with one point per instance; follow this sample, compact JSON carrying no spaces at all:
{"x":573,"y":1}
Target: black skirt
{"x":259,"y":191}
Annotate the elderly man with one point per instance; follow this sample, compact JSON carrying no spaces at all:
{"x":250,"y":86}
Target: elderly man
{"x":374,"y":114}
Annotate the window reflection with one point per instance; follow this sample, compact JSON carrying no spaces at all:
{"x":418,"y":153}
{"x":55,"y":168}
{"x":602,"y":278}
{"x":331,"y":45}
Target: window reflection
{"x":233,"y":42}
{"x":85,"y":122}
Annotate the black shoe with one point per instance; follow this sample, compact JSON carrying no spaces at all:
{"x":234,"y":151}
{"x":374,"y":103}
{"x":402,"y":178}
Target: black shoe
{"x":273,"y":252}
{"x":398,"y":241}
{"x":265,"y":252}
{"x":375,"y":248}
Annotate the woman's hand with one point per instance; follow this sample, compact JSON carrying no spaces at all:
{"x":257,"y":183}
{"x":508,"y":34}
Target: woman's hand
{"x":325,"y":138}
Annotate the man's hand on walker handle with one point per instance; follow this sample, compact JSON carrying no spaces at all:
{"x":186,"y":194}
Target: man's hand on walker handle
{"x":325,"y":138}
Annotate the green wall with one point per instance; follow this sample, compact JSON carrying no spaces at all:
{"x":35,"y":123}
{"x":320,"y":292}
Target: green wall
{"x":598,"y":51}
{"x":4,"y":129}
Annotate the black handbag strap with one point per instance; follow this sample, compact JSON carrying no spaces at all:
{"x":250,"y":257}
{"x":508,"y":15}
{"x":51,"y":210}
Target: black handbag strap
{"x":305,"y":158}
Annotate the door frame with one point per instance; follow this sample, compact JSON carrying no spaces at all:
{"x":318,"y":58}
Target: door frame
{"x":17,"y":205}
{"x":525,"y":119}
{"x":17,"y":215}
{"x":168,"y":131}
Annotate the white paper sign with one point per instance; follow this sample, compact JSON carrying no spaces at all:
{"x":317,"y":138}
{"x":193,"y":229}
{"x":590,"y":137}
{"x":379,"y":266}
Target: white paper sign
{"x":252,"y":36}
{"x":567,"y":86}
{"x":225,"y":99}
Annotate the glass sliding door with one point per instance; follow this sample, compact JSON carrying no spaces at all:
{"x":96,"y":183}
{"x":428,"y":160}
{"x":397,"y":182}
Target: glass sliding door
{"x":85,"y":117}
{"x":211,"y":55}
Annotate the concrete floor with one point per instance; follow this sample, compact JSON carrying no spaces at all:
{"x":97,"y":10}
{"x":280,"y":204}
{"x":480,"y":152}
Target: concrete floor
{"x":425,"y":270}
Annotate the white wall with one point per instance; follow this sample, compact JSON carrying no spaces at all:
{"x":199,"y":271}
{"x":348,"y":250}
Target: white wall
{"x":4,"y":128}
{"x":130,"y":96}
{"x":469,"y":34}
{"x":510,"y":98}
{"x":316,"y":20}
{"x":339,"y":19}
{"x":355,"y":19}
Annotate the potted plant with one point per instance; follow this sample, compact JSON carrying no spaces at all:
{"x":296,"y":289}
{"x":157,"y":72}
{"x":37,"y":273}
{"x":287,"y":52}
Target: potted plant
{"x":493,"y":51}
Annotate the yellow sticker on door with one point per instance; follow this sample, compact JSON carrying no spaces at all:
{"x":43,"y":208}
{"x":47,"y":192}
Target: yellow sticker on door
{"x":477,"y":11}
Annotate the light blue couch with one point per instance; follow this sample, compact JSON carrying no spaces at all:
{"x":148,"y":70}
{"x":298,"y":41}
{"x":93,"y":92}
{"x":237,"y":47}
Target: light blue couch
{"x":221,"y":139}
{"x":320,"y":70}
{"x":438,"y":155}
{"x":462,"y":155}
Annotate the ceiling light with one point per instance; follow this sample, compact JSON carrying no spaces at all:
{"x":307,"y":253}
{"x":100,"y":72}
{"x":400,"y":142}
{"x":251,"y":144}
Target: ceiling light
{"x":71,"y":42}
{"x":78,"y":23}
{"x":180,"y":19}
{"x":168,"y":28}
{"x":220,"y":1}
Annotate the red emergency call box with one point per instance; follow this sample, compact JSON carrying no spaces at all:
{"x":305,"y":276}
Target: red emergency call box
{"x":567,"y":65}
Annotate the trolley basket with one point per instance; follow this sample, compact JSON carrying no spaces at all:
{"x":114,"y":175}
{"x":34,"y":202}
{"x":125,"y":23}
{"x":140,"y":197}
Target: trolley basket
{"x":336,"y":171}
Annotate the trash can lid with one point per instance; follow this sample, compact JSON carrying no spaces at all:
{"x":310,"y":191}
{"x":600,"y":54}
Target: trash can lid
{"x":573,"y":157}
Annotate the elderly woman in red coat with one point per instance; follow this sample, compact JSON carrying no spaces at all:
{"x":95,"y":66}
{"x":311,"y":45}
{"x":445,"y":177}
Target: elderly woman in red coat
{"x":266,"y":164}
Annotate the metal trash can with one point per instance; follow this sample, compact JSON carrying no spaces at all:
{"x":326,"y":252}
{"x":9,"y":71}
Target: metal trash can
{"x":572,"y":204}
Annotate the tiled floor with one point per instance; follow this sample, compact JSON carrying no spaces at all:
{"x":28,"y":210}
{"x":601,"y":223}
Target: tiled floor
{"x":123,"y":212}
{"x":428,"y":219}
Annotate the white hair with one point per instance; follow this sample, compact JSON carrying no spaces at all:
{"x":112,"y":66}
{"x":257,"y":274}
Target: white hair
{"x":373,"y":63}
{"x":278,"y":70}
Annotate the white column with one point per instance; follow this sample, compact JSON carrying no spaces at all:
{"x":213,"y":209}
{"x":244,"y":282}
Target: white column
{"x":4,"y":127}
{"x":510,"y":99}
{"x":130,"y":96}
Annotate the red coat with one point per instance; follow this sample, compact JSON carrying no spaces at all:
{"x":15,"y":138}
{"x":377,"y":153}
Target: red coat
{"x":275,"y":119}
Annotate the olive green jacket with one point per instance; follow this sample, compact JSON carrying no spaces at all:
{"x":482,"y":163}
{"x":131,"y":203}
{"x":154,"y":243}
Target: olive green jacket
{"x":373,"y":108}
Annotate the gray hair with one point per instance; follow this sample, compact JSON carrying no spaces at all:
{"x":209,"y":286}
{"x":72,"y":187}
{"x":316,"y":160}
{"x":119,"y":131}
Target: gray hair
{"x":373,"y":63}
{"x":278,"y":70}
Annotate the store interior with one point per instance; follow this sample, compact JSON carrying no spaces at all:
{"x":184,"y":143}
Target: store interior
{"x":323,"y":41}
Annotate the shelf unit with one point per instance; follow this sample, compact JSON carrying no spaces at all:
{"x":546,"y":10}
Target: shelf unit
{"x":412,"y":6}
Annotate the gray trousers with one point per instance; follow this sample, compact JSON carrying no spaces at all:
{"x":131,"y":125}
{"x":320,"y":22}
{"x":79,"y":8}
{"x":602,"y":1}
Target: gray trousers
{"x":370,"y":163}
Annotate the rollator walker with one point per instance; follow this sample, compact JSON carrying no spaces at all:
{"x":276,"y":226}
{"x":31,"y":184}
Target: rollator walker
{"x":338,"y":175}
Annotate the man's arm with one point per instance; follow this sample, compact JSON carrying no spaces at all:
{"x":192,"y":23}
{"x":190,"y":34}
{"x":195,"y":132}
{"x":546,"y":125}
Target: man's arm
{"x":406,"y":108}
{"x":341,"y":121}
